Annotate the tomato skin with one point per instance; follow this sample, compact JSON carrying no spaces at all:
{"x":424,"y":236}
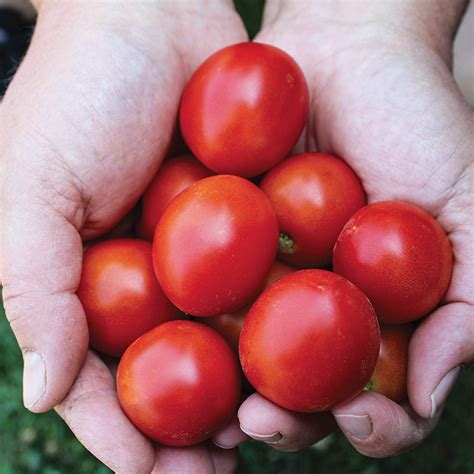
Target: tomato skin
{"x":120,"y":295}
{"x":399,"y":256}
{"x":390,"y":374}
{"x":175,"y":175}
{"x":244,"y":109}
{"x":229,"y":325}
{"x":179,"y":383}
{"x":310,"y":341}
{"x":314,"y":195}
{"x":214,"y":245}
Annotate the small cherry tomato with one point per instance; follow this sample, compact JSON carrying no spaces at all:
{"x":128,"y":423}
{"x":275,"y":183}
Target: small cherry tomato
{"x":120,"y":295}
{"x":310,"y":341}
{"x":229,"y":325}
{"x":314,"y":195}
{"x":244,"y":109}
{"x":175,"y":175}
{"x":390,"y":374}
{"x":399,"y":256}
{"x":214,"y":245}
{"x":179,"y":383}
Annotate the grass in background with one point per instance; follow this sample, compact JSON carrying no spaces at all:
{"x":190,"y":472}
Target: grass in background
{"x":43,"y":444}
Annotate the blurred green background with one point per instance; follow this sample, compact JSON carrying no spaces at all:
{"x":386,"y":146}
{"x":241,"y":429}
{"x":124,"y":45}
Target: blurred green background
{"x":43,"y":444}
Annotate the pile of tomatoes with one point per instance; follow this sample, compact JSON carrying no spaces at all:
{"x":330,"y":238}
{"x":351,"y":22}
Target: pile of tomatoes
{"x":209,"y":292}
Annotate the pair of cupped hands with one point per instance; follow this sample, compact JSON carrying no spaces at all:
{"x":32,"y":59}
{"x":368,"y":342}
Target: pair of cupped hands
{"x":86,"y":123}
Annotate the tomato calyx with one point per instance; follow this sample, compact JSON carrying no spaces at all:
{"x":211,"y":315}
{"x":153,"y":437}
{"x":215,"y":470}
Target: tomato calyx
{"x":369,"y":385}
{"x":286,"y":244}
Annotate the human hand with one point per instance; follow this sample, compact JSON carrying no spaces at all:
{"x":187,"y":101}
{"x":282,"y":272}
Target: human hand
{"x":383,"y":97}
{"x":85,"y":125}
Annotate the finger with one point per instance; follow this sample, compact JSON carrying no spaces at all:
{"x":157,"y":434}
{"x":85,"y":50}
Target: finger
{"x":93,"y":413}
{"x":378,"y":427}
{"x":439,"y":346}
{"x":41,"y":258}
{"x":230,"y":436}
{"x":225,"y":461}
{"x":190,"y":460}
{"x":282,"y":429}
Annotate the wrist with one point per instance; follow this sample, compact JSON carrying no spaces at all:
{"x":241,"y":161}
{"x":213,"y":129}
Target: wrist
{"x":430,"y":22}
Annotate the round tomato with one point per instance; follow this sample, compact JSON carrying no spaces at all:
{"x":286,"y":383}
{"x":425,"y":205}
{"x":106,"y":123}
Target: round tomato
{"x":229,"y":325}
{"x":310,"y":341}
{"x":121,"y":297}
{"x":174,"y":176}
{"x":214,"y":245}
{"x":179,"y":383}
{"x":399,"y":256}
{"x":244,"y":109}
{"x":390,"y":374}
{"x":313,"y":195}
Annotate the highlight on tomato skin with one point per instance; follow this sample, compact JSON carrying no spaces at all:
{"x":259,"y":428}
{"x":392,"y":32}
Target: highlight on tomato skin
{"x":174,"y":175}
{"x":229,"y":325}
{"x":310,"y":341}
{"x":179,"y":383}
{"x":314,"y":195}
{"x":244,"y":109}
{"x":214,"y":245}
{"x":120,"y":294}
{"x":390,"y":374}
{"x":399,"y":256}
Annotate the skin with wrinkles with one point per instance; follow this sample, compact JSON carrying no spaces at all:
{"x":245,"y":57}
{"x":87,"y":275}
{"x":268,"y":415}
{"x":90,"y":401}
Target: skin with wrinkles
{"x":89,"y":114}
{"x":396,"y":116}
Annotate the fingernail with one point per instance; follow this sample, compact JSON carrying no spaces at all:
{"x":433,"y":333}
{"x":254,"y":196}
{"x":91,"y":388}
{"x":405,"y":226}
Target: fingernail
{"x":34,"y":378}
{"x":440,"y":393}
{"x":358,"y":426}
{"x":267,"y":438}
{"x":222,"y":446}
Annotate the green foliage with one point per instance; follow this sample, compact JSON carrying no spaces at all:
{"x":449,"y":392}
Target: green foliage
{"x":251,"y":12}
{"x":43,"y":444}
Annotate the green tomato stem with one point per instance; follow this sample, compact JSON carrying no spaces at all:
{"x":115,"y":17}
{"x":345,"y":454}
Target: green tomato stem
{"x":287,"y":245}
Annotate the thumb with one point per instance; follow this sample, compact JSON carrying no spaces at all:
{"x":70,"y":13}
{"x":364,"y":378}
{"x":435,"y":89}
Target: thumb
{"x":378,"y":427}
{"x":439,"y":347}
{"x":41,"y":254}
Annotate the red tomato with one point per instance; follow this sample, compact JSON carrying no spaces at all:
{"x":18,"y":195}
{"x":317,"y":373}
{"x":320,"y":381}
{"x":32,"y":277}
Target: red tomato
{"x":174,"y":176}
{"x":399,"y":256}
{"x":310,"y":341}
{"x":244,"y":109}
{"x":229,"y":325}
{"x":120,"y":295}
{"x":314,"y":195}
{"x":214,"y":245}
{"x":390,"y":374}
{"x":179,"y":383}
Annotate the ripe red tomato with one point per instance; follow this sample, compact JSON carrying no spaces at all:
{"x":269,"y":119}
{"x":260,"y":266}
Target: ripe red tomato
{"x":174,"y":176}
{"x":390,"y":374}
{"x":179,"y":383}
{"x":229,"y":325}
{"x":314,"y":195}
{"x":120,"y":295}
{"x":214,"y":245}
{"x":244,"y":109}
{"x":399,"y":256}
{"x":310,"y":341}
